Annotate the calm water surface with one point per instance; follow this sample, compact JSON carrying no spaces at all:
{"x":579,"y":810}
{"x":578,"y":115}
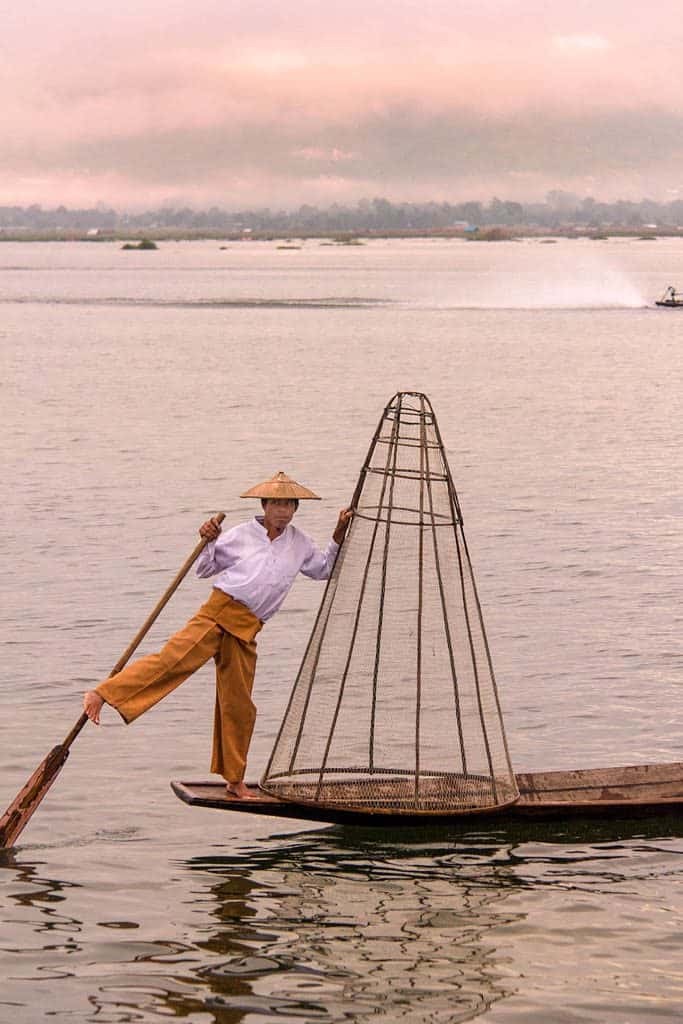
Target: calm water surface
{"x":141,"y":391}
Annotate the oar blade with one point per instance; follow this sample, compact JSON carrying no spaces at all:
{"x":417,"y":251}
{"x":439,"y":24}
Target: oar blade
{"x":17,"y":815}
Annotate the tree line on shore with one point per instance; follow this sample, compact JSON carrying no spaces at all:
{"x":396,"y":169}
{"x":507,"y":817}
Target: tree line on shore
{"x":559,"y":211}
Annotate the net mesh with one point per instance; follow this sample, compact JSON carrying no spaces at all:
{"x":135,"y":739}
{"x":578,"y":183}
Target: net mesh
{"x":395,"y":707}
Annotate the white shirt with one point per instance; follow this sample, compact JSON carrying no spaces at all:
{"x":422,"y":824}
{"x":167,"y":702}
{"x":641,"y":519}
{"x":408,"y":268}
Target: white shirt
{"x":259,"y":572}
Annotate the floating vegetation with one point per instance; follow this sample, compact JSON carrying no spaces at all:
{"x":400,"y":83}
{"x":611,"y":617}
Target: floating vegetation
{"x":491,"y":235}
{"x":345,"y":239}
{"x":144,"y":243}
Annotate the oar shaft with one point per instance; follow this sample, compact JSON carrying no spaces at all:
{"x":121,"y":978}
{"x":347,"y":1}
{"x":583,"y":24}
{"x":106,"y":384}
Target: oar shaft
{"x":17,"y":815}
{"x":147,"y":625}
{"x":153,"y":616}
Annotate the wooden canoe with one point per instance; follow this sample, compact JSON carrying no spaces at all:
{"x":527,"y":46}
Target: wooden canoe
{"x":630,"y":791}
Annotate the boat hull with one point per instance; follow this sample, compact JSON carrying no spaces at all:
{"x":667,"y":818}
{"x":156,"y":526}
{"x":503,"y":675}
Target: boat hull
{"x":628,"y":791}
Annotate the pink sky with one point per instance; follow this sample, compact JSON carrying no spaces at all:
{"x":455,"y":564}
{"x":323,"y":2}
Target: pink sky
{"x":279,"y":103}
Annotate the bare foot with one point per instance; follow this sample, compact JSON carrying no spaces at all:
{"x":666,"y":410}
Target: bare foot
{"x":240,"y":790}
{"x":92,"y":705}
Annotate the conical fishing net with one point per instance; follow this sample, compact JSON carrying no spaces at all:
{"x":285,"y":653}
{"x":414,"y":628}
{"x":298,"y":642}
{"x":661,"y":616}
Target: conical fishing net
{"x":395,"y":707}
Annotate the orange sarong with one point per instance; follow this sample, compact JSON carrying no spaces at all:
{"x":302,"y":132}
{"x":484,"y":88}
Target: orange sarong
{"x":222,"y":629}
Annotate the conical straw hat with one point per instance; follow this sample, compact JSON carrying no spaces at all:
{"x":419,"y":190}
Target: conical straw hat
{"x":280,"y":486}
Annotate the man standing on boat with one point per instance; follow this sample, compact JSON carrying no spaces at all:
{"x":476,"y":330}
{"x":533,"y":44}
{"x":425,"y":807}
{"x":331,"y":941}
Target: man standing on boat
{"x":255,"y":565}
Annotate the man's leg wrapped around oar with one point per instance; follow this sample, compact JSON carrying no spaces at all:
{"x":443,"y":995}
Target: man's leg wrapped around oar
{"x":222,"y":629}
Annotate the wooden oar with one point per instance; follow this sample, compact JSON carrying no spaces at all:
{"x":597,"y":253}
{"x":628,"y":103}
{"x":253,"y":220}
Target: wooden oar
{"x":17,"y":815}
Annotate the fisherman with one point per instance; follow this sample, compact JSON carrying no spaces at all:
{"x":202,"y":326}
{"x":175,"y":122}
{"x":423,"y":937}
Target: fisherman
{"x":255,"y":565}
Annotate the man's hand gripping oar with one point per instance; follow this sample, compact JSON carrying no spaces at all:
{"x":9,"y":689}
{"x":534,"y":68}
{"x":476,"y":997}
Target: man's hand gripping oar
{"x":17,"y":815}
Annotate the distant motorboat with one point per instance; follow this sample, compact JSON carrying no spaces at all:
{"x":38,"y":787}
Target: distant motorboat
{"x":671,"y":298}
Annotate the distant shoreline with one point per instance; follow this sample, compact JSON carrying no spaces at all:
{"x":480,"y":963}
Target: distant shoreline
{"x":488,"y":233}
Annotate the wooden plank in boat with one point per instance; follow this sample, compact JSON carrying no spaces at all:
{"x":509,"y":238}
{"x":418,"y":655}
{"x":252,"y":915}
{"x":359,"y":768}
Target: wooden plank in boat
{"x":631,"y":782}
{"x":631,"y":788}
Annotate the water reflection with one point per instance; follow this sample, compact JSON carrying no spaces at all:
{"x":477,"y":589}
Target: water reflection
{"x":45,"y":896}
{"x":334,"y":924}
{"x":72,"y":971}
{"x":339,"y":925}
{"x":332,"y":928}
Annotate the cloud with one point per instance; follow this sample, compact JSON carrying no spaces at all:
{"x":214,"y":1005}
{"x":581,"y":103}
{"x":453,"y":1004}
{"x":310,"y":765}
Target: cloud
{"x":401,"y":151}
{"x":581,"y":44}
{"x":223,"y":101}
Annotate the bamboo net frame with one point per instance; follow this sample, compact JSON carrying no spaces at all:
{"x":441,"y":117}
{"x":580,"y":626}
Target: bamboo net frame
{"x":395,"y":708}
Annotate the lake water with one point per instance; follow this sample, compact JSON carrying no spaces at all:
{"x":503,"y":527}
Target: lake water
{"x":142,"y":391}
